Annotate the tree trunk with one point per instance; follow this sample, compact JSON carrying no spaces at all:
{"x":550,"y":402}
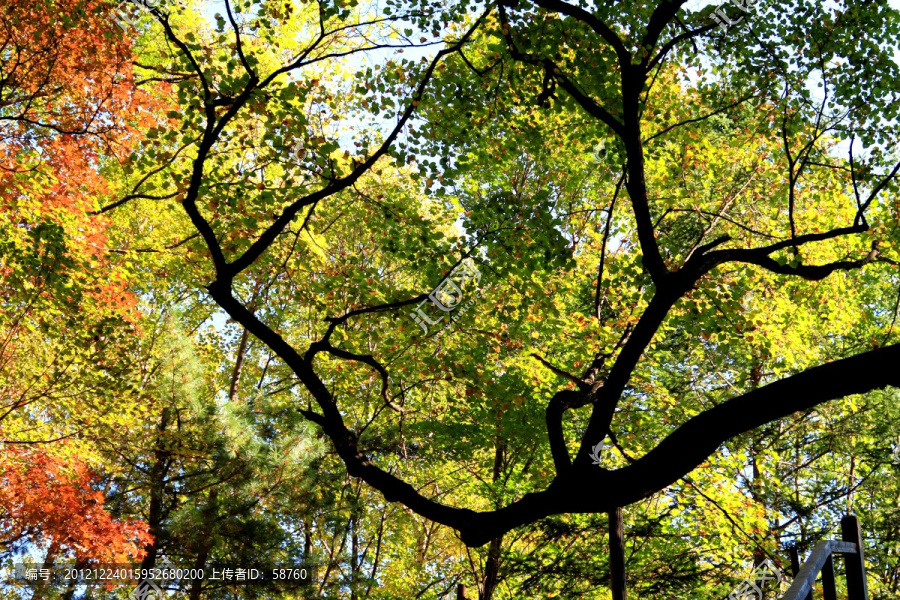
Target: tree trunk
{"x":238,"y":365}
{"x":617,"y":555}
{"x":307,"y":541}
{"x":354,"y":556}
{"x":49,"y":561}
{"x":157,"y":488}
{"x":69,"y":594}
{"x":492,"y":564}
{"x":209,"y":516}
{"x":492,"y":569}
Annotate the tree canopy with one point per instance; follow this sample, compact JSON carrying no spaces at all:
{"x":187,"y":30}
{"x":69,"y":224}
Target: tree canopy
{"x":431,"y":293}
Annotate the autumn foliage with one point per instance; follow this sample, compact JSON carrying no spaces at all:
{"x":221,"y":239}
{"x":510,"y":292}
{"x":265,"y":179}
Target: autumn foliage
{"x":510,"y":298}
{"x":69,"y":106}
{"x":52,"y":501}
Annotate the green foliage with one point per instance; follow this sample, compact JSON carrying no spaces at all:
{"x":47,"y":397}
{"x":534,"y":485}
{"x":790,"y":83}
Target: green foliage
{"x":266,"y":131}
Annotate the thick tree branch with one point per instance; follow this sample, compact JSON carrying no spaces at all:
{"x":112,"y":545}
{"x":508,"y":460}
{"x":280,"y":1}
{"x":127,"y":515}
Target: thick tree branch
{"x":692,"y":443}
{"x":559,"y":404}
{"x":589,"y":19}
{"x":589,"y":105}
{"x":663,"y":14}
{"x":590,"y":489}
{"x":607,"y":397}
{"x":331,"y":421}
{"x":632,"y":85}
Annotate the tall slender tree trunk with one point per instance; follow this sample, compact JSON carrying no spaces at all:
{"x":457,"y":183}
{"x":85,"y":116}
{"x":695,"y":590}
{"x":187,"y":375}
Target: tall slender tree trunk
{"x":617,"y":555}
{"x":354,"y":555}
{"x":49,"y":560}
{"x":492,"y":569}
{"x":209,"y":517}
{"x":238,"y":365}
{"x":307,"y":541}
{"x":69,"y":594}
{"x":375,"y":561}
{"x":157,"y":490}
{"x":492,"y":565}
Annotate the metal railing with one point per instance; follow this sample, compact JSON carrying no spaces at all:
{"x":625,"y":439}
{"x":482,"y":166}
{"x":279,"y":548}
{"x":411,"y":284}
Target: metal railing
{"x":820,"y":561}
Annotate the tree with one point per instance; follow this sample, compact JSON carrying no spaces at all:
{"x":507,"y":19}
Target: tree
{"x":684,"y":288}
{"x":65,"y":309}
{"x":197,"y":471}
{"x":46,"y":501}
{"x":801,"y":215}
